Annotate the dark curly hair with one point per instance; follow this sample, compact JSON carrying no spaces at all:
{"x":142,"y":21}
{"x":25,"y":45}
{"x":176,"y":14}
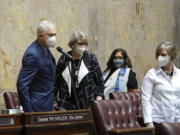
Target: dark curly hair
{"x":127,"y":61}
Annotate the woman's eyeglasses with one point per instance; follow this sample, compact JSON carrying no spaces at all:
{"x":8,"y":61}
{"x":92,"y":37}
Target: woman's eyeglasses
{"x":81,"y":44}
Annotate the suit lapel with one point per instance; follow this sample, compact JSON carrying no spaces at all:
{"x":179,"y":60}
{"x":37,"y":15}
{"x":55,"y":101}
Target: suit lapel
{"x":51,"y":61}
{"x":83,"y":71}
{"x":67,"y":77}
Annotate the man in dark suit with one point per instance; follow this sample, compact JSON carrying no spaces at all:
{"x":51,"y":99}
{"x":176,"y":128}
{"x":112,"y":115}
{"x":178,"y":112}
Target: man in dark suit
{"x":35,"y":81}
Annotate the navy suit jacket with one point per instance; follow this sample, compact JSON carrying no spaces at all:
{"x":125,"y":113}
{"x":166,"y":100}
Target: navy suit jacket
{"x":35,"y":81}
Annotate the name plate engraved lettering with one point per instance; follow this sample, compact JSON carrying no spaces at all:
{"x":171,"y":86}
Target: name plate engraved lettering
{"x":6,"y":121}
{"x":67,"y":117}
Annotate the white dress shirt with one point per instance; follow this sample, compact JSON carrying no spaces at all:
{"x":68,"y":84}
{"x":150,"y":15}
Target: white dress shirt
{"x":161,"y":96}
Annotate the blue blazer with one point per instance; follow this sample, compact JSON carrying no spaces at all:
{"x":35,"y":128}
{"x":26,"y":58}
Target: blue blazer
{"x":35,"y":81}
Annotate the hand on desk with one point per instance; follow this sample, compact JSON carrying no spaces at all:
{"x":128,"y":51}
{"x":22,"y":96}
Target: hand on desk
{"x":150,"y":125}
{"x":98,"y":98}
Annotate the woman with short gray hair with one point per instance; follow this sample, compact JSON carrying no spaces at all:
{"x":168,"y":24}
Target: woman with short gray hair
{"x":161,"y":88}
{"x":75,"y":36}
{"x":80,"y":82}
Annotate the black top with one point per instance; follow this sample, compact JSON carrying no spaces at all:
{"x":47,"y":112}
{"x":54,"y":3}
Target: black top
{"x":75,"y":89}
{"x":132,"y":81}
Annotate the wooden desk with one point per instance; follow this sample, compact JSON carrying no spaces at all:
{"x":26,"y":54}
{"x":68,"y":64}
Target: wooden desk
{"x":10,"y":124}
{"x":77,"y":122}
{"x":132,"y":131}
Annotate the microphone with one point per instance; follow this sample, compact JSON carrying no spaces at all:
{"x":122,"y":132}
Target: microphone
{"x":65,"y":53}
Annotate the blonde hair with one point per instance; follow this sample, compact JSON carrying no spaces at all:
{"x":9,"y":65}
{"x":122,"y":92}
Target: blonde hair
{"x":170,"y":48}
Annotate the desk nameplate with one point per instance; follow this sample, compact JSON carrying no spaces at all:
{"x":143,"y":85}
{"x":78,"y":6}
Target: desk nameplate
{"x":59,"y":117}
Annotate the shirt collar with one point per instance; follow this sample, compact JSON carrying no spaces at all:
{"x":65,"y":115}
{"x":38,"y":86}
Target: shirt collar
{"x":159,"y":69}
{"x":175,"y":69}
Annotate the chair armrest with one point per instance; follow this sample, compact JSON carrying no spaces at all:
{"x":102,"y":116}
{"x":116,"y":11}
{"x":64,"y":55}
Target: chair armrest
{"x":132,"y":131}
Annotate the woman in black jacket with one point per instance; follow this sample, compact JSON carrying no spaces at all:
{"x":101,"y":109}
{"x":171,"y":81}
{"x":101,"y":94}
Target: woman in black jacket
{"x":78,"y":81}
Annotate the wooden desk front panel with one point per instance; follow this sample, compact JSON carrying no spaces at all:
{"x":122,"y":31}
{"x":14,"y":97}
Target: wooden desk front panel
{"x":10,"y":124}
{"x":58,"y":129}
{"x":77,"y":122}
{"x":12,"y":130}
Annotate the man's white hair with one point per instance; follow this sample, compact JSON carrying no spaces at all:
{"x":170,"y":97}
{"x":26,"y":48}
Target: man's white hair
{"x":43,"y":27}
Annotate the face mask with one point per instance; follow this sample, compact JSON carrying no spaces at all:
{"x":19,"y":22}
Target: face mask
{"x":163,"y":61}
{"x":118,"y":62}
{"x":51,"y":42}
{"x":80,"y":50}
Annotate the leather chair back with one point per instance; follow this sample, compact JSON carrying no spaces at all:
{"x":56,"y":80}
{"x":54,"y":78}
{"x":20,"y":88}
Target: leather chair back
{"x":11,"y":100}
{"x":134,"y":97}
{"x":113,"y":114}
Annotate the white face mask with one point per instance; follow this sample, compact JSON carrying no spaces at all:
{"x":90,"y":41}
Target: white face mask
{"x":80,"y":50}
{"x":163,"y":61}
{"x":51,"y":42}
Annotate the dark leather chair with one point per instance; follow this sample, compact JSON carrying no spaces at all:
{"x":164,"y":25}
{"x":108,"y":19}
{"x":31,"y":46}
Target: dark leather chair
{"x":11,"y":100}
{"x":116,"y":117}
{"x":134,"y":97}
{"x":168,"y":129}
